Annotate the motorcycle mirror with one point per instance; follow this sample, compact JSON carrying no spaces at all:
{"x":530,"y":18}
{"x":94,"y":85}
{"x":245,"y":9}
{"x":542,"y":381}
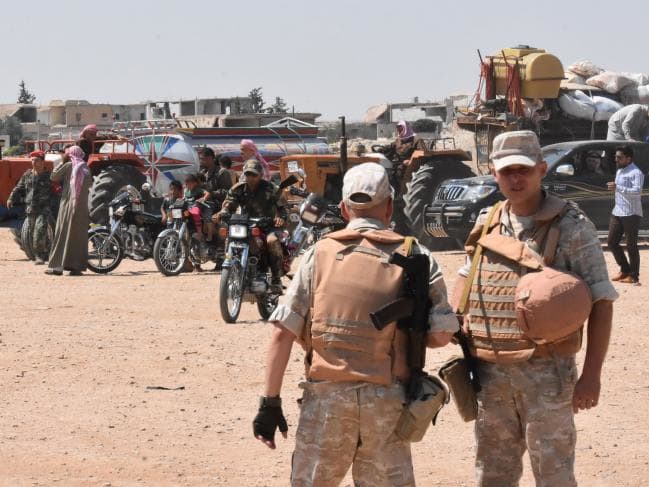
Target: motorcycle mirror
{"x":292,"y":179}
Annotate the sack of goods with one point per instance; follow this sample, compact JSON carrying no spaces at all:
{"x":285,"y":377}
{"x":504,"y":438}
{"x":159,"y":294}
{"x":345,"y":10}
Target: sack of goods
{"x":635,"y":94}
{"x":611,"y":81}
{"x":579,"y":105}
{"x":585,"y":68}
{"x":551,"y":304}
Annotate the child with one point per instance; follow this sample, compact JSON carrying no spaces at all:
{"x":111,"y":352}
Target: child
{"x":175,"y":193}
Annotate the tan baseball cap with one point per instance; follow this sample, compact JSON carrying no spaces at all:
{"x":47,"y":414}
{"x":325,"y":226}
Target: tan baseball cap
{"x":365,"y":186}
{"x":516,"y":148}
{"x":252,"y":166}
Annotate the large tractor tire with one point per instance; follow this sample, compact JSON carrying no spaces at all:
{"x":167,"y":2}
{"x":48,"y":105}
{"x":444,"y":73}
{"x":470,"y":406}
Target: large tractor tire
{"x":421,"y":192}
{"x":107,"y":184}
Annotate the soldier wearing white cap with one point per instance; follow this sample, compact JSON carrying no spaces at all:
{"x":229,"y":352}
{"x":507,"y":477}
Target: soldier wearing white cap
{"x":530,"y":387}
{"x":353,"y":392}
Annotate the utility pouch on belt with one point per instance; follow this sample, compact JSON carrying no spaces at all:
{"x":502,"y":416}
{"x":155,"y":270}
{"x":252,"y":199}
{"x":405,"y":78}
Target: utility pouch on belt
{"x":456,"y":373}
{"x":418,"y":415}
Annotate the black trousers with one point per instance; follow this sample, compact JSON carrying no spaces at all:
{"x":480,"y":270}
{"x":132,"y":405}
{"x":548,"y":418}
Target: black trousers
{"x":629,"y":226}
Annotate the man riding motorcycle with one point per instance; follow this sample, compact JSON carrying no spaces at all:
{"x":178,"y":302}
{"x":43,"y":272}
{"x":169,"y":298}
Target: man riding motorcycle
{"x":218,"y":180}
{"x":259,"y":198}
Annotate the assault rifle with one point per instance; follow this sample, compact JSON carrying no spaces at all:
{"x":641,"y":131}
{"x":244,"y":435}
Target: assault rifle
{"x":411,"y":313}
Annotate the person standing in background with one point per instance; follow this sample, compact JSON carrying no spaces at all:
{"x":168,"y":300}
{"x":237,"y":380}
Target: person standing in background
{"x":626,"y":215}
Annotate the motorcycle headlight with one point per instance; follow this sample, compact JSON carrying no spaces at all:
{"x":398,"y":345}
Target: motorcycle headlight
{"x":120,"y":211}
{"x":238,"y":231}
{"x":176,"y":213}
{"x":478,"y":192}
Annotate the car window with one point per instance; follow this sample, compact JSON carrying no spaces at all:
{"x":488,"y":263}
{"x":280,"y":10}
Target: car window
{"x":551,"y":155}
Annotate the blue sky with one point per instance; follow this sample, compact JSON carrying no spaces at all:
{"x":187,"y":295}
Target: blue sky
{"x":333,"y":57}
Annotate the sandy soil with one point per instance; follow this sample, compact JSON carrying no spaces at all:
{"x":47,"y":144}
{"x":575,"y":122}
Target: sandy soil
{"x":77,"y":355}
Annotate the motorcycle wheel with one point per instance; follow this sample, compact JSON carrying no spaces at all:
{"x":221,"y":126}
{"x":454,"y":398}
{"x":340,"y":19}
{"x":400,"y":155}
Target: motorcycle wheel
{"x":231,"y":293}
{"x":169,"y":254}
{"x":26,"y":237}
{"x":104,"y":252}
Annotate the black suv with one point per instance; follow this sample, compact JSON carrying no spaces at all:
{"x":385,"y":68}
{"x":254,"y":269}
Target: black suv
{"x":577,"y":171}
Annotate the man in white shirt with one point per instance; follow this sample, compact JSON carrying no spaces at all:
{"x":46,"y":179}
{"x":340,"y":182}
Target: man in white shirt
{"x":626,"y":215}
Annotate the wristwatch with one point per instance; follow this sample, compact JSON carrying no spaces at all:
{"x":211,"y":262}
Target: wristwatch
{"x":271,"y":402}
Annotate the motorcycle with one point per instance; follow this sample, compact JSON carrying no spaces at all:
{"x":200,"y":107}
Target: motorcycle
{"x":131,"y":233}
{"x":246,"y":271}
{"x":317,"y":217}
{"x":180,"y":242}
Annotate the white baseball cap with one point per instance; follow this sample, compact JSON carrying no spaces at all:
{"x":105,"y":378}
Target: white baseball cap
{"x":365,"y":186}
{"x":520,"y":147}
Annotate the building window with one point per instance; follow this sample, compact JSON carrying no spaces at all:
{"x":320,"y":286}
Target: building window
{"x":116,"y":116}
{"x":104,"y":115}
{"x":142,"y":117}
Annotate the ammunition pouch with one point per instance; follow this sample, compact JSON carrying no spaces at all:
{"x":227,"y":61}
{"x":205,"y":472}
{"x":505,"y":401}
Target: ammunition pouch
{"x":456,"y":373}
{"x":418,"y":415}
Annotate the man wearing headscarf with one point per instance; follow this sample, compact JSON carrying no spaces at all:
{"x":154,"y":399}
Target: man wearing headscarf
{"x":249,"y":151}
{"x":70,"y":249}
{"x":406,"y":141}
{"x":87,"y":140}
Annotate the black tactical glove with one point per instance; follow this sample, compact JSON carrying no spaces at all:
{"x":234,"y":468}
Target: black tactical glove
{"x":268,"y":419}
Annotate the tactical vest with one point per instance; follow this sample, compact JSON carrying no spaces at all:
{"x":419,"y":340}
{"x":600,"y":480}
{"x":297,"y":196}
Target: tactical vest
{"x":351,"y":279}
{"x":494,"y":334}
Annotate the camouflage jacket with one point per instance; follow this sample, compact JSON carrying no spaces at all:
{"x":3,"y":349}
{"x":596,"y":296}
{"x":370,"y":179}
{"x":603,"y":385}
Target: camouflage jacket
{"x":266,"y":201}
{"x":35,"y":190}
{"x":217,"y":182}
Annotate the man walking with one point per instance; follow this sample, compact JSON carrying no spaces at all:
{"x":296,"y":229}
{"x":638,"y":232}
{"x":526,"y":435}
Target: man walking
{"x":38,"y":193}
{"x":353,"y":395}
{"x":530,"y":390}
{"x":625,"y":219}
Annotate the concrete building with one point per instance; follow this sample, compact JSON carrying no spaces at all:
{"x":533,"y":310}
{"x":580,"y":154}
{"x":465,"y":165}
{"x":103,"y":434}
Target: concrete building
{"x":386,"y":116}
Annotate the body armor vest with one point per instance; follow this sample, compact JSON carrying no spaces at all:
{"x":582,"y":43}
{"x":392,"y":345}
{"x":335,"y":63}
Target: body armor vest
{"x":351,"y":279}
{"x":494,"y":333}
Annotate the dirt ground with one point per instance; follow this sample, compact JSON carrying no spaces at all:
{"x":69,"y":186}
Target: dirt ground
{"x":77,"y":355}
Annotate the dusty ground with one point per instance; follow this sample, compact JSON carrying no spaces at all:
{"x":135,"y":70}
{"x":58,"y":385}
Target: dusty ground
{"x":77,"y":355}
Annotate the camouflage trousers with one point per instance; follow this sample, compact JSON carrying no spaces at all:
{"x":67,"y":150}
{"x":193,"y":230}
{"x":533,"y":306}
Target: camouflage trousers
{"x":39,"y":236}
{"x":275,"y":254}
{"x":523,"y":406}
{"x":350,"y":424}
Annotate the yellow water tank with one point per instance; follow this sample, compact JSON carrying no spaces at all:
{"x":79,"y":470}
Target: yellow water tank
{"x":540,"y":72}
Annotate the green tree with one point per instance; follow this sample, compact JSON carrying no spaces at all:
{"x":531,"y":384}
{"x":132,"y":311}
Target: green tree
{"x":425,"y":125}
{"x":25,"y":95}
{"x":257,"y":100}
{"x":11,"y":126}
{"x":279,"y":106}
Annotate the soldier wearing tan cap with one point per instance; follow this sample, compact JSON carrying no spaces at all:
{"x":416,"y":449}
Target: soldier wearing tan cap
{"x":530,"y":390}
{"x":353,"y":392}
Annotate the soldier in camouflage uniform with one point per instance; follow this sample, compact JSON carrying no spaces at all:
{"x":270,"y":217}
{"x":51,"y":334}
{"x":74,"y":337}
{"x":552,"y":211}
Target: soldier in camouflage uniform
{"x":528,"y":403}
{"x":35,"y":188}
{"x":353,"y":395}
{"x":260,"y":198}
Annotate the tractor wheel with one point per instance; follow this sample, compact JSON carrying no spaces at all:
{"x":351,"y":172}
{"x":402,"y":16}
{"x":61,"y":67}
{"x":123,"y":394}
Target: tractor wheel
{"x":421,"y":192}
{"x":107,"y":184}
